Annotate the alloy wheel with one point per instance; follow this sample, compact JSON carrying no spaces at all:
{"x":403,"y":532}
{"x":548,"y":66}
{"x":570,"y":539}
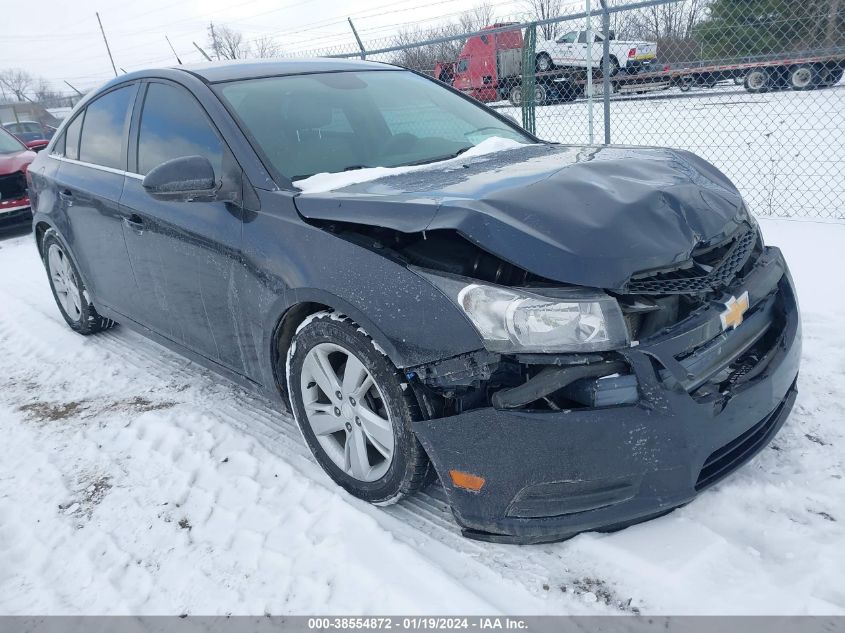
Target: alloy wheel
{"x":64,"y":282}
{"x":346,"y":411}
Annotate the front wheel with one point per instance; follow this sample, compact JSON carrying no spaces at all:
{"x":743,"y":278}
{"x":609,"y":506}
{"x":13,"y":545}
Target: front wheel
{"x":355,"y":410}
{"x":544,"y":63}
{"x":69,"y":290}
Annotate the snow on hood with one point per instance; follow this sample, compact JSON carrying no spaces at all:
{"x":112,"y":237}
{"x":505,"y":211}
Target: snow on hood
{"x":319,"y":183}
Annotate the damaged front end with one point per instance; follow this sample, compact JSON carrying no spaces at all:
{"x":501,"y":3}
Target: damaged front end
{"x":611,"y":386}
{"x":570,"y":441}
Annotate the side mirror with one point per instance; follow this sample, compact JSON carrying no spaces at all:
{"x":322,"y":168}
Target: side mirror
{"x":186,"y":178}
{"x":36,"y":146}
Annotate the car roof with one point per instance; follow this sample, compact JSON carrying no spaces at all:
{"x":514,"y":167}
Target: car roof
{"x":214,"y":72}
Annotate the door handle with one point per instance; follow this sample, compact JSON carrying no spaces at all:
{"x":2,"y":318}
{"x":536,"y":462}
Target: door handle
{"x":134,"y":222}
{"x":66,"y":195}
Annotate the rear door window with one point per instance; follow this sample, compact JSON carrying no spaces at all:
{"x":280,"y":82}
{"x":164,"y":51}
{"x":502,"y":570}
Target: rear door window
{"x":104,"y":132}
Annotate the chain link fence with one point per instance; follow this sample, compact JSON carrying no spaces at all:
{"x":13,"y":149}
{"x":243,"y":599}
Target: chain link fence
{"x":754,"y":86}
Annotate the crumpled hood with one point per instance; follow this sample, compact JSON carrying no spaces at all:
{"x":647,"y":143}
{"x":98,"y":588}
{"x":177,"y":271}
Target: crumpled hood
{"x":590,"y":216}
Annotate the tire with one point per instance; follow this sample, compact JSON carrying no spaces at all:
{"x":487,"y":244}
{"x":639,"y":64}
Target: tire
{"x":686,"y":84}
{"x":515,"y":96}
{"x":758,"y":80}
{"x":348,"y":431}
{"x":69,"y":290}
{"x":540,"y":95}
{"x":543,"y":62}
{"x":804,"y":77}
{"x":614,"y":66}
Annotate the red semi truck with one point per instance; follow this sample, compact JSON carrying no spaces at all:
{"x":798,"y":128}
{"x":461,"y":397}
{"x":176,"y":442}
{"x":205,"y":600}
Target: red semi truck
{"x":489,"y":67}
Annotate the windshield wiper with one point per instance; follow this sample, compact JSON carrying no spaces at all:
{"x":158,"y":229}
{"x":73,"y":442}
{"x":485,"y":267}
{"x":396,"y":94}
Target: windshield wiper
{"x":440,"y":158}
{"x":350,"y":168}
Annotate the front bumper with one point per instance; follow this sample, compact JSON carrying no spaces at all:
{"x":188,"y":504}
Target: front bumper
{"x":15,"y":213}
{"x":551,"y":474}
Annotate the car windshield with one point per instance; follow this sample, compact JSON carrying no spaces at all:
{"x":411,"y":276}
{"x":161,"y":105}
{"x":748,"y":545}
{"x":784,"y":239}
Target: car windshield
{"x":334,"y":122}
{"x":26,"y":127}
{"x":9,"y":144}
{"x":568,"y":38}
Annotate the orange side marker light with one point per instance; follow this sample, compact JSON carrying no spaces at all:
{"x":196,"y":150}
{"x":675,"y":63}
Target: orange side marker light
{"x":467,"y":481}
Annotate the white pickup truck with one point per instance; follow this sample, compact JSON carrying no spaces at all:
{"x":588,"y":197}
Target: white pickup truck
{"x":570,"y":50}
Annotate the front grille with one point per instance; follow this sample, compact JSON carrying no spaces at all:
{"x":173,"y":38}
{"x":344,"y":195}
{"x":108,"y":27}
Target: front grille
{"x":732,"y":455}
{"x":13,"y":186}
{"x":710,"y":268}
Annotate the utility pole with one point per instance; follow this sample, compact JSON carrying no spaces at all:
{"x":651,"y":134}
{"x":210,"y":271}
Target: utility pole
{"x":199,"y":48}
{"x":108,"y":50}
{"x":174,"y":50}
{"x":358,"y":39}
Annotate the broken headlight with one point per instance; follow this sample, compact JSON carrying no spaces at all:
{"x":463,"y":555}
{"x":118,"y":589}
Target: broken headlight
{"x":518,"y":320}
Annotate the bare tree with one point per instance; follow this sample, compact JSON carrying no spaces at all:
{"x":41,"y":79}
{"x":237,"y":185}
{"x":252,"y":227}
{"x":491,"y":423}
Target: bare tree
{"x":672,"y":26}
{"x":266,"y":47}
{"x":18,"y":81}
{"x":46,"y":95}
{"x":227,"y":43}
{"x":476,"y":18}
{"x":423,"y":58}
{"x":673,"y":21}
{"x":543,"y":10}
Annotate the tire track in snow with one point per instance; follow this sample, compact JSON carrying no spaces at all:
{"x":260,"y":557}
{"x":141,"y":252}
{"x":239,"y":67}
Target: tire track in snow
{"x":744,"y":529}
{"x":423,"y":522}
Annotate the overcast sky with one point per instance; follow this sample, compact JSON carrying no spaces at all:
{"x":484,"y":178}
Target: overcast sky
{"x":60,"y":39}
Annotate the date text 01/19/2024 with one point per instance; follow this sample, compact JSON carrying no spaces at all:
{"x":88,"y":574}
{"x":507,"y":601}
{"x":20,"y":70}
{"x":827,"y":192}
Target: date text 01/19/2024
{"x":417,"y":623}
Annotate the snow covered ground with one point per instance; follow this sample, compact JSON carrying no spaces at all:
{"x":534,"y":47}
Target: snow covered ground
{"x":783,"y":150}
{"x":133,"y":481}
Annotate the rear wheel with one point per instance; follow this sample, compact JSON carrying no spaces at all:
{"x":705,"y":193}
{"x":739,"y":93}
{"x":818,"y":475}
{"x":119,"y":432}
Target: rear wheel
{"x":69,"y":290}
{"x":758,"y":80}
{"x":350,"y":405}
{"x":804,"y":77}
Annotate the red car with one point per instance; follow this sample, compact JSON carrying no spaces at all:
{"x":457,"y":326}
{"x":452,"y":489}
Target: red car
{"x":14,"y":199}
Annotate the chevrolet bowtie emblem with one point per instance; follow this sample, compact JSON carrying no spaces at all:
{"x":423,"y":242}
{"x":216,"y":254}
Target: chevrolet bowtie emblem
{"x":736,"y":307}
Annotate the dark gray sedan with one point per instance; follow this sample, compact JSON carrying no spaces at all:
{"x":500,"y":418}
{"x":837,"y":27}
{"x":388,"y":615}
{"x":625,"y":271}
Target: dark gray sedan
{"x":569,"y":338}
